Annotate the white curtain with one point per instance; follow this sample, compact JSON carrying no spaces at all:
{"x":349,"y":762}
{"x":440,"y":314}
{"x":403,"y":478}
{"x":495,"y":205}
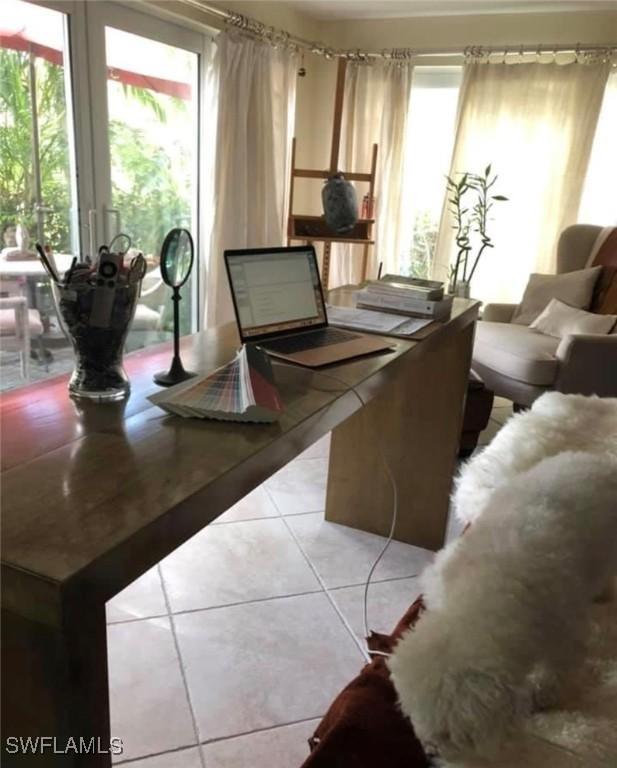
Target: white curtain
{"x":599,"y":203}
{"x":256,"y":112}
{"x":375,"y":111}
{"x":535,"y":123}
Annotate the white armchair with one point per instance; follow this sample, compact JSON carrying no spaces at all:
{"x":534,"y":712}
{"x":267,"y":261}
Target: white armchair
{"x":520,"y":364}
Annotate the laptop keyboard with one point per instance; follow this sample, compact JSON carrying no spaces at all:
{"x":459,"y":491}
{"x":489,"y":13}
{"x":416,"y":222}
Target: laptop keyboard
{"x":323,"y":338}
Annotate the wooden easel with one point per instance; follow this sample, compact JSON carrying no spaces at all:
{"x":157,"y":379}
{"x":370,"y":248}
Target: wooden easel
{"x":310,"y":229}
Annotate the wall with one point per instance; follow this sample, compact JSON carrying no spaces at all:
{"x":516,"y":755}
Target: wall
{"x":315,"y":95}
{"x":495,"y":30}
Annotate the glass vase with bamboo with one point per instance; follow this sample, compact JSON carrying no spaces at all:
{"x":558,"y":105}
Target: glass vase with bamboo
{"x":470,"y":221}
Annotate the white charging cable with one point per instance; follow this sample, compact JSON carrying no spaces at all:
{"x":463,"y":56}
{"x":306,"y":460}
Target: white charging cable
{"x":392,"y":524}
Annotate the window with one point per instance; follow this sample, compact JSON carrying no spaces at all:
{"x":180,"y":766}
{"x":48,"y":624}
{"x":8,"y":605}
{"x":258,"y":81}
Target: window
{"x":114,"y":150}
{"x":152,"y":134}
{"x":598,"y":204}
{"x":430,"y":138}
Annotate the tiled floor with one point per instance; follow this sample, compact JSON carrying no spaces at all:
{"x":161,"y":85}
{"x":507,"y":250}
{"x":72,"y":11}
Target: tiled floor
{"x":228,"y":653}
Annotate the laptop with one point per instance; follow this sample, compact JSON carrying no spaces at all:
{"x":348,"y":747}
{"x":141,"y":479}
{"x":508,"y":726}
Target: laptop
{"x":279,"y":304}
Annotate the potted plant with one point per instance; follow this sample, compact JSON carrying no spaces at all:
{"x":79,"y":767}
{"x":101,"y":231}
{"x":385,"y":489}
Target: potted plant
{"x":470,"y":223}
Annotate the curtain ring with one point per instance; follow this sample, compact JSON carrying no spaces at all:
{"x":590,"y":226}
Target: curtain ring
{"x":538,"y":53}
{"x":505,"y":53}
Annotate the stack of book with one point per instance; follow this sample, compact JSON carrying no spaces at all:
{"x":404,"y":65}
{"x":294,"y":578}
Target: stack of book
{"x":242,"y":390}
{"x":406,"y":295}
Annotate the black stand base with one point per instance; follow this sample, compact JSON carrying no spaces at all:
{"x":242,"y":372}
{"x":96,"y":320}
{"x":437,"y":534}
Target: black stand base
{"x":174,"y":375}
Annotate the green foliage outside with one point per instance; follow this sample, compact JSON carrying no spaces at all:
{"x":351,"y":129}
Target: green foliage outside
{"x":150,"y":198}
{"x":425,"y":229}
{"x":17,"y":187}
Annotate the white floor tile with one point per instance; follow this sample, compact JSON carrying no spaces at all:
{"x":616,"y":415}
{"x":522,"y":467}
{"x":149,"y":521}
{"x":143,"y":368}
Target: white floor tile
{"x":254,"y":506}
{"x":343,"y":556}
{"x":387,"y":602}
{"x":183,"y":758}
{"x":300,"y":486}
{"x":227,"y":564}
{"x":501,"y":415}
{"x":501,"y":402}
{"x":140,"y":600}
{"x":492,"y":428}
{"x":284,"y":747}
{"x":319,"y":450}
{"x":264,"y":664}
{"x":149,"y":705}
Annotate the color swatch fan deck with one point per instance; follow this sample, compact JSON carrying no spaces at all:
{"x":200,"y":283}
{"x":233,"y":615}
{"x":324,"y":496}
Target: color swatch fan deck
{"x":242,"y":390}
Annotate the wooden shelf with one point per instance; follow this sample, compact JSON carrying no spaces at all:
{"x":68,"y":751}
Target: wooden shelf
{"x":310,"y":239}
{"x":322,"y":218}
{"x":313,"y":229}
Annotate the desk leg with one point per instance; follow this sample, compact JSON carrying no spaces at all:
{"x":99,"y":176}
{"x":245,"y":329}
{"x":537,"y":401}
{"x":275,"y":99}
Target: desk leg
{"x":417,"y":419}
{"x":54,"y":684}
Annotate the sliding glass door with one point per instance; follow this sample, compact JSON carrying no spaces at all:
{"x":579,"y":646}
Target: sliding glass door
{"x":145,"y":147}
{"x":99,"y":115}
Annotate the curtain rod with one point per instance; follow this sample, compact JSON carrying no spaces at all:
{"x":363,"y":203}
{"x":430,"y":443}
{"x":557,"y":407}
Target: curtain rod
{"x":276,"y":36}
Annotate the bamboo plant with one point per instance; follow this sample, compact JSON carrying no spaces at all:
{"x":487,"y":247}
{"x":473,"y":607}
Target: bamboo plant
{"x":470,"y":221}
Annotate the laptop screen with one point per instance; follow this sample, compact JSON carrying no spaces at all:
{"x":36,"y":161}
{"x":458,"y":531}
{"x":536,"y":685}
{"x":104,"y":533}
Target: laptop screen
{"x":275,"y":290}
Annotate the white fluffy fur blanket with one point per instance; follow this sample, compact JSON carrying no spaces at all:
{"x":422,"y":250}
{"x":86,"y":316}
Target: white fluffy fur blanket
{"x":513,"y":475}
{"x":582,"y":732}
{"x":556,"y":423}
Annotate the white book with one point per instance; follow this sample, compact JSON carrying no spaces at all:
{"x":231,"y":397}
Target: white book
{"x":420,"y":307}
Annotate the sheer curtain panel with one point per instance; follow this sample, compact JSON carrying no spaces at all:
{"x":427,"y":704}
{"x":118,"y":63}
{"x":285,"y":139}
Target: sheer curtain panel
{"x":256,"y":108}
{"x":375,"y":111}
{"x":535,"y":123}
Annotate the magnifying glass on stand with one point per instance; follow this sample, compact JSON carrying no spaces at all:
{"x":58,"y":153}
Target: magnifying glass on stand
{"x":177,"y":256}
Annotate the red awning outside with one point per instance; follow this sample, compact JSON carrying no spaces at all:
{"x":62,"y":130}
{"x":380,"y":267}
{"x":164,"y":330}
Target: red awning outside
{"x":18,"y":41}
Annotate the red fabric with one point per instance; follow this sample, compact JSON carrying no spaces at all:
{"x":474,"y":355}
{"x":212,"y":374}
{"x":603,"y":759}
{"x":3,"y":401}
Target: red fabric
{"x":17,"y":42}
{"x":364,"y":727}
{"x":607,"y":255}
{"x":604,"y":300}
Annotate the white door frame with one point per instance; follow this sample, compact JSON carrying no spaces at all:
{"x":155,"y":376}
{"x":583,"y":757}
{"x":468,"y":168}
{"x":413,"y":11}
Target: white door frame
{"x":89,"y":118}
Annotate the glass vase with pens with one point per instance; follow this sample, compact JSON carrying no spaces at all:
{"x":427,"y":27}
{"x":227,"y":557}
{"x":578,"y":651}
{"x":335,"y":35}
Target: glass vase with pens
{"x":96,"y":300}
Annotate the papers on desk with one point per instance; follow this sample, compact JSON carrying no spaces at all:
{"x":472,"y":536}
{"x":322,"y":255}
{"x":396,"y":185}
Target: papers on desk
{"x":369,"y":320}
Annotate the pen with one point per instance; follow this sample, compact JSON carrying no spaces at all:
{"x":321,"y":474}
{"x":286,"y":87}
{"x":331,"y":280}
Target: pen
{"x":47,"y":264}
{"x":69,"y":273}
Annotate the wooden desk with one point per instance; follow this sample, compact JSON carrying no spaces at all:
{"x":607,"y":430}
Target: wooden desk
{"x":94,"y":495}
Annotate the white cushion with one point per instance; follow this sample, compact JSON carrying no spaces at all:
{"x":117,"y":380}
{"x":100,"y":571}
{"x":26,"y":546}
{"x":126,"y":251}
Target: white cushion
{"x":559,"y":320}
{"x":517,"y":352}
{"x":573,"y":288}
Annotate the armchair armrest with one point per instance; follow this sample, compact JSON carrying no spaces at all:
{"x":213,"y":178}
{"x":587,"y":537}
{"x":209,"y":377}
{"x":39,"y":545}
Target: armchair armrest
{"x":499,"y":313}
{"x":588,"y":365}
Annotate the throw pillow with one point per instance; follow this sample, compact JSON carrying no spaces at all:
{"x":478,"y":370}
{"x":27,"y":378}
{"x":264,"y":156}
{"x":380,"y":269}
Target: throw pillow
{"x":560,"y":320}
{"x":573,"y":288}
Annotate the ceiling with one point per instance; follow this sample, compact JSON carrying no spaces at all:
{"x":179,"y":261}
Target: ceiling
{"x":393,"y":9}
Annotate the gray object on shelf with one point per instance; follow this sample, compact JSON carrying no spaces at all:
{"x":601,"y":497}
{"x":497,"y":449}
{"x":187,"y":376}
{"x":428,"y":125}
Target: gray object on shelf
{"x":340,"y":203}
